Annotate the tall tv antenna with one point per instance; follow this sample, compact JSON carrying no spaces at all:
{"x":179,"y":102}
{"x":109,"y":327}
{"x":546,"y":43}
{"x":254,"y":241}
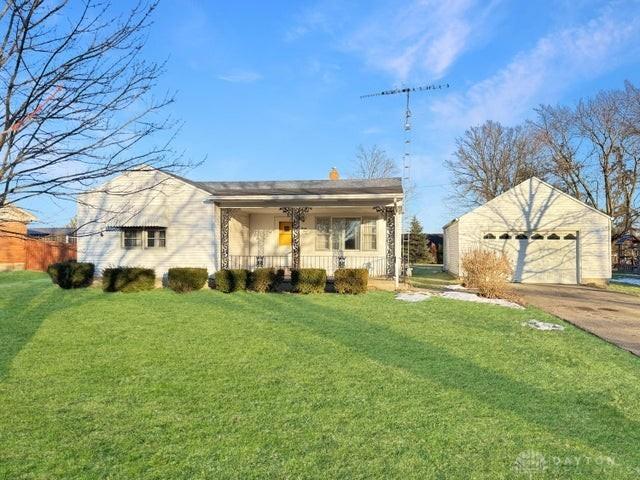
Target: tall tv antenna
{"x":406,"y":157}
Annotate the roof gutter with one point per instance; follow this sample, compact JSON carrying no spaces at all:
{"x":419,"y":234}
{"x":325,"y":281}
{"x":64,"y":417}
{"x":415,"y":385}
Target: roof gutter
{"x":450,"y":223}
{"x":349,"y":196}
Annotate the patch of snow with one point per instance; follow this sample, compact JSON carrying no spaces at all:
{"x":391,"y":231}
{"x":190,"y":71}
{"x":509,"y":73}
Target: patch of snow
{"x":627,"y":280}
{"x":538,"y":325}
{"x":472,"y":297}
{"x":412,"y":296}
{"x":455,"y":287}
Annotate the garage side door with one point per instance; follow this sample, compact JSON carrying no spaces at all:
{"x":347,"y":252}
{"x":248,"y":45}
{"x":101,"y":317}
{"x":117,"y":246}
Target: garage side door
{"x":540,"y":257}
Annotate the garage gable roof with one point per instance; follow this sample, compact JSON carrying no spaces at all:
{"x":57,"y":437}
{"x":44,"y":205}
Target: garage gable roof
{"x":534,"y":180}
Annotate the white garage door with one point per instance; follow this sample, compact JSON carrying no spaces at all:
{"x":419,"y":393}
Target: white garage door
{"x":538,"y":257}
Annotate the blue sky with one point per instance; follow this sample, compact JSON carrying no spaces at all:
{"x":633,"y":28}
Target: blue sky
{"x":270,"y":90}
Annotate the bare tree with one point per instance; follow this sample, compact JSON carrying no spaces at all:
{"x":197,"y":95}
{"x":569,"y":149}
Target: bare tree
{"x":373,"y":163}
{"x":594,"y":152}
{"x":77,"y":96}
{"x":490,"y":159}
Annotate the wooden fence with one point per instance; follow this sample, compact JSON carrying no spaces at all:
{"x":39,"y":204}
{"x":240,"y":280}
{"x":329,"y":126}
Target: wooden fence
{"x":18,"y":252}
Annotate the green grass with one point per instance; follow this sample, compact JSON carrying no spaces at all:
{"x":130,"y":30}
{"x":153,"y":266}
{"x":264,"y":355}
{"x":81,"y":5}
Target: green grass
{"x":624,"y":288}
{"x":207,"y":385}
{"x":431,"y":277}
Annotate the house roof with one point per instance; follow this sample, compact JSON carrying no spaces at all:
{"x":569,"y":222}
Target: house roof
{"x":390,"y":185}
{"x":46,"y":231}
{"x":436,"y":238}
{"x":303,"y":187}
{"x":11,"y":213}
{"x":632,"y":237}
{"x":532,"y":179}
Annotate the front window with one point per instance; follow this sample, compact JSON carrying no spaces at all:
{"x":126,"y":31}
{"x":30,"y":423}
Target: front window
{"x":349,"y":234}
{"x":156,"y":238}
{"x":144,"y":237}
{"x":132,"y":238}
{"x":369,"y":234}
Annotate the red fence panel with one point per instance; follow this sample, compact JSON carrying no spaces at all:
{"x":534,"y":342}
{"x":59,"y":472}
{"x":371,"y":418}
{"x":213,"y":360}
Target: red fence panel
{"x":39,"y":255}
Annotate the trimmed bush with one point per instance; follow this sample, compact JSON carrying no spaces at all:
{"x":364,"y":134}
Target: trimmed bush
{"x":228,"y":281}
{"x":308,"y":280}
{"x":489,"y":272}
{"x":351,"y":280}
{"x":128,"y":279}
{"x":186,"y":279}
{"x":263,"y":280}
{"x":71,"y":274}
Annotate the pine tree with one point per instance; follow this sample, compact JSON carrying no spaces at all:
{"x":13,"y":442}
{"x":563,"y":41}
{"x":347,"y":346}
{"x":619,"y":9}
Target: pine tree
{"x":418,"y":248}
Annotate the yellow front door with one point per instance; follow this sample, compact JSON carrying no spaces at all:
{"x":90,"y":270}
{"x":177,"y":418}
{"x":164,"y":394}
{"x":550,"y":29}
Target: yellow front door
{"x":284,"y":234}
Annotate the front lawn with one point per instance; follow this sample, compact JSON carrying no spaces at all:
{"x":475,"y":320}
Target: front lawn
{"x":431,"y":277}
{"x":208,"y":385}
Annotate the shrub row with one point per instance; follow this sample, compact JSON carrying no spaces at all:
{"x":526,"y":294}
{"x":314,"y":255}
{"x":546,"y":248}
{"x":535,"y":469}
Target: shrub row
{"x":260,"y":280}
{"x":351,"y":280}
{"x":308,"y":280}
{"x":71,"y":274}
{"x":135,"y":279}
{"x":128,"y":279}
{"x":186,"y":279}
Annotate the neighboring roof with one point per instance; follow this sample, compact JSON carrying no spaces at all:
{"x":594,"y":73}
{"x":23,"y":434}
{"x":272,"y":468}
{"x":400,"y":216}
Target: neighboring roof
{"x":436,"y":238}
{"x":46,"y":231}
{"x":11,"y":213}
{"x":534,"y":179}
{"x":632,"y":237}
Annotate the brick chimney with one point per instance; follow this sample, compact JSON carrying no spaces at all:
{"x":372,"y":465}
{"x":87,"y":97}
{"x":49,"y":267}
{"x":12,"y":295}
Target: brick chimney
{"x":334,"y":174}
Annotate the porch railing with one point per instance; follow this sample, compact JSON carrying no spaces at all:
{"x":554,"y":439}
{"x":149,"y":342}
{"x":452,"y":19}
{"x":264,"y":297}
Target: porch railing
{"x":376,"y":265}
{"x":251,"y":262}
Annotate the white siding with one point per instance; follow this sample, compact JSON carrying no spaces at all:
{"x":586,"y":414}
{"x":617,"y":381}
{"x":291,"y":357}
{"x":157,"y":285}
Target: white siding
{"x":261,"y":234}
{"x":451,"y":251}
{"x":264,"y":234}
{"x":261,"y":238}
{"x":533,"y":206}
{"x":239,"y":234}
{"x":190,"y":222}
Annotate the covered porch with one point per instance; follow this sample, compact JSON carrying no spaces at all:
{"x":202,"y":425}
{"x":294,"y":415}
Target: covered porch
{"x":281,"y":235}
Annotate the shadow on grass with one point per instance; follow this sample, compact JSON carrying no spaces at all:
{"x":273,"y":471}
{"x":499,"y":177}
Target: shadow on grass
{"x":22,"y":313}
{"x":563,"y":412}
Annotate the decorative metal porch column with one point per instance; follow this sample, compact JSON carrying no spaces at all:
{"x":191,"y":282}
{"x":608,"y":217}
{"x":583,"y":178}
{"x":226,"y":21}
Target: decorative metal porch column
{"x":388,"y":214}
{"x":297,"y":215}
{"x":225,"y":217}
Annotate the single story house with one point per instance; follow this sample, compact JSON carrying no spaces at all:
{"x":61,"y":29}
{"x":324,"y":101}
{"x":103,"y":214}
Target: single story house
{"x":159,"y":220}
{"x":549,"y":236}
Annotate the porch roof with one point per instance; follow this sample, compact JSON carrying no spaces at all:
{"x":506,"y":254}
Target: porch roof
{"x":304,"y":187}
{"x":301,"y":193}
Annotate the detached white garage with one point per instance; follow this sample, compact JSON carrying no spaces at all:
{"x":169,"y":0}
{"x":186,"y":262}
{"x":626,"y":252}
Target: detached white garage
{"x":549,"y":236}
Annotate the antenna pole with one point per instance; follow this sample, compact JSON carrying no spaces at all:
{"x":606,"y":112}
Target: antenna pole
{"x":406,"y":159}
{"x":406,"y":178}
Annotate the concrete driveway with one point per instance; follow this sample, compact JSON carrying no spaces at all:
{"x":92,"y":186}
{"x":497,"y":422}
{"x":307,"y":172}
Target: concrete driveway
{"x":615,"y":317}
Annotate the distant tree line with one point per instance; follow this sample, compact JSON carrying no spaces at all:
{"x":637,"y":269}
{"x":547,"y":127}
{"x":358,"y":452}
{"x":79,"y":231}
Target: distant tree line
{"x":590,"y":150}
